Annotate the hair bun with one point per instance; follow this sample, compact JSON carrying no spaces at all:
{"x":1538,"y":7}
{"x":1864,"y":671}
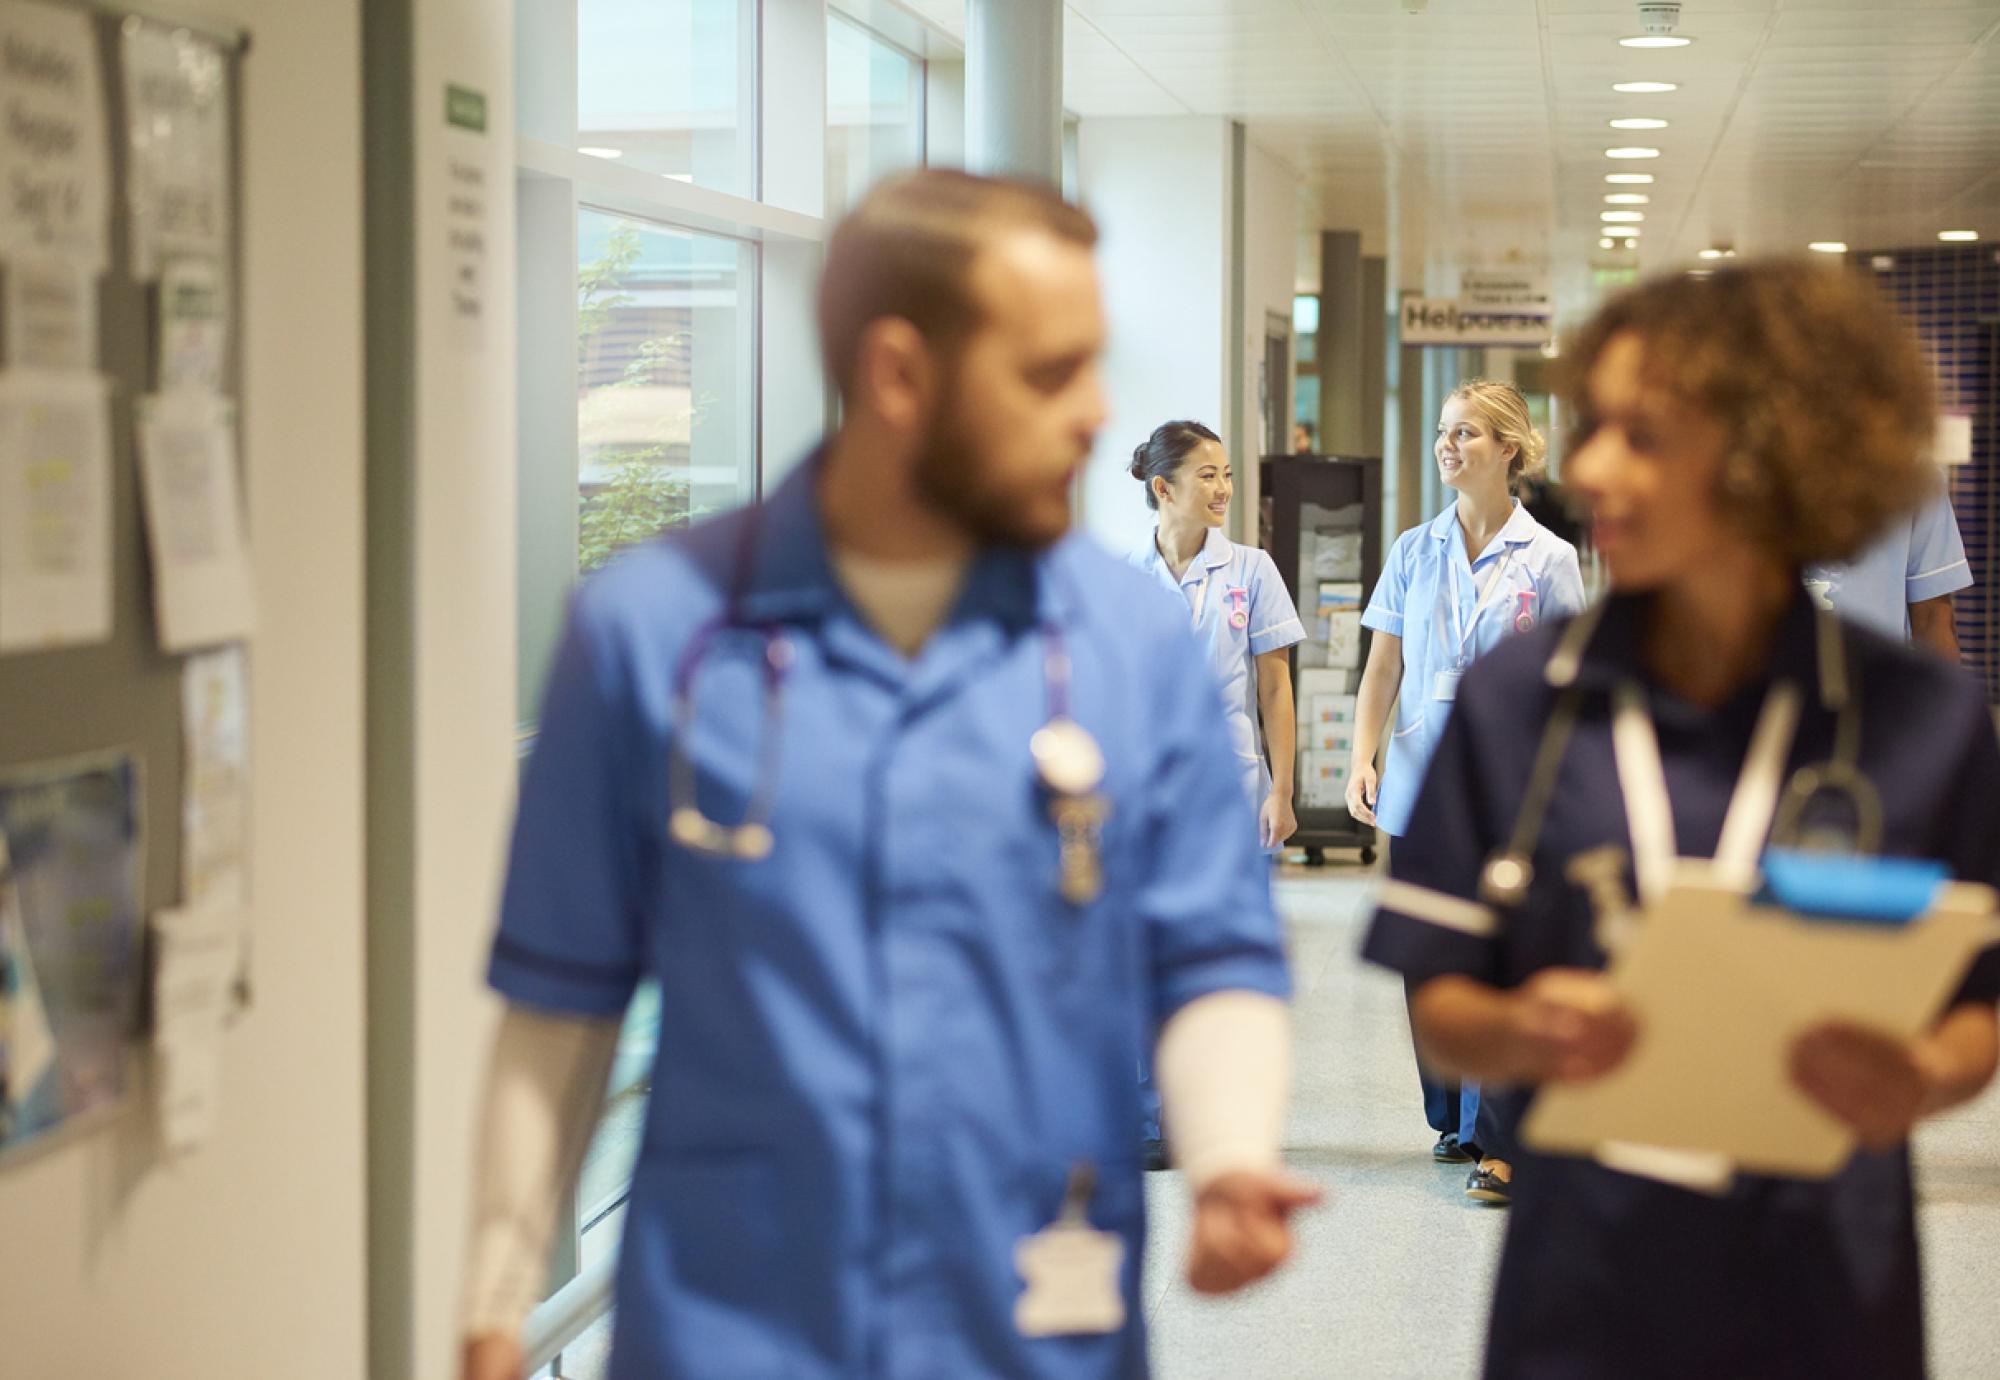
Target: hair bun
{"x":1137,"y":469}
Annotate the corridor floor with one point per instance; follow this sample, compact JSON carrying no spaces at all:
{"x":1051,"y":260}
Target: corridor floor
{"x":1392,"y":1277}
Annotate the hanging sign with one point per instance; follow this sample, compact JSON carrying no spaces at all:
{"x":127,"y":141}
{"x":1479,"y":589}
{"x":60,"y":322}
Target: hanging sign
{"x":1454,"y":321}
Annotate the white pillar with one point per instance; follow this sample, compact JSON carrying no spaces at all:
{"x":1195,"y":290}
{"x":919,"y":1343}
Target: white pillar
{"x":1013,"y":88}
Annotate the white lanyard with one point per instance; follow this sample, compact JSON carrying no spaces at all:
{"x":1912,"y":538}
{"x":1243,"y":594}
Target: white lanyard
{"x":1460,"y":626}
{"x":1642,"y":780}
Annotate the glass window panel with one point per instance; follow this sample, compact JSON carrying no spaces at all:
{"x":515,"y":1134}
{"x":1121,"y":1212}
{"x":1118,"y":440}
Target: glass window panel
{"x":666,"y":411}
{"x":874,"y":111}
{"x":661,"y":85}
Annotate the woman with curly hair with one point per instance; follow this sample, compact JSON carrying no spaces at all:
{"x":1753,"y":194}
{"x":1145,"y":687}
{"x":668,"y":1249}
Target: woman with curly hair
{"x":1481,"y":571}
{"x":1732,"y":430}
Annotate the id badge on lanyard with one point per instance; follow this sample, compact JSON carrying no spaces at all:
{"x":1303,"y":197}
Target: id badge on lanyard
{"x":1444,"y":683}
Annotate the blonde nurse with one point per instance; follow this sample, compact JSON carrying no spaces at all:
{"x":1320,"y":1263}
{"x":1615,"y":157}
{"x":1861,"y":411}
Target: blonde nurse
{"x":1482,"y":570}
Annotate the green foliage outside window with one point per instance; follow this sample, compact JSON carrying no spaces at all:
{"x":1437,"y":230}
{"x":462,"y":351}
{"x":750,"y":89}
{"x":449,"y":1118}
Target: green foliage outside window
{"x":644,"y":495}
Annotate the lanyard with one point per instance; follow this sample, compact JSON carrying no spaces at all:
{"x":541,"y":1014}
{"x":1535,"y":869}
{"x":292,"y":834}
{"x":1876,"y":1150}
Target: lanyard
{"x":1642,"y":780}
{"x":1460,"y":627}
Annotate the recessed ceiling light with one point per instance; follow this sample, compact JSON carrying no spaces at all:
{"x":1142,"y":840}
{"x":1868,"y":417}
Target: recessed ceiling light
{"x":1882,"y":263}
{"x":590,"y":152}
{"x":1632,"y":152}
{"x":1716,"y":254}
{"x":1654,"y":41}
{"x":1639,"y":122}
{"x":1626,"y":217}
{"x":1700,"y":272}
{"x":1629,"y":179}
{"x":1626,"y":199}
{"x":1606,"y":244}
{"x":1828,"y":247}
{"x":1958,"y":236}
{"x":1645,"y":88}
{"x":1621,"y":229}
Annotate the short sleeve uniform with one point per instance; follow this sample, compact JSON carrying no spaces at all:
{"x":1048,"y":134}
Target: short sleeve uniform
{"x":1240,"y":609}
{"x":1449,"y":611}
{"x":1603,"y":1273}
{"x":884,"y":1047}
{"x":1920,"y":557}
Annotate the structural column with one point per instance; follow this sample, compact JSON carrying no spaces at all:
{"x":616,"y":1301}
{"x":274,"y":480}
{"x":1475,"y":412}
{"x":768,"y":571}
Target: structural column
{"x":1013,"y":88}
{"x":1343,"y":344}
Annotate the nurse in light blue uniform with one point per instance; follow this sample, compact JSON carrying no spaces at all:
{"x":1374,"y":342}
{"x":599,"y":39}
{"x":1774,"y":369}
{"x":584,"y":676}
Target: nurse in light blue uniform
{"x":1453,"y":589}
{"x":1245,"y":622}
{"x":1901,"y":585}
{"x":1242,"y":614}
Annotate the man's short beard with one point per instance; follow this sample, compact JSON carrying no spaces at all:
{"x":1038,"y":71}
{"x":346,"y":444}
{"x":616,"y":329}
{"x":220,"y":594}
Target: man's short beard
{"x":951,"y":477}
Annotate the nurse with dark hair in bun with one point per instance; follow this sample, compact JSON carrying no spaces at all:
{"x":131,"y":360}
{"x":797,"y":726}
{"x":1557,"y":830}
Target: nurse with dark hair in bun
{"x":1245,"y":621}
{"x":1239,"y":606}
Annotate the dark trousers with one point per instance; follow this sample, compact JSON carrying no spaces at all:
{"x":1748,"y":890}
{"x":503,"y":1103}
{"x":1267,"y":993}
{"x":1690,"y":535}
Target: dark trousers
{"x":1458,"y":1109}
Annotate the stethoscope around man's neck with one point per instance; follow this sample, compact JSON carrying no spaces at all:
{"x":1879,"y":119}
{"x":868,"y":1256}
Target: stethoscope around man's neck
{"x":1068,"y":760}
{"x":1764,"y":807}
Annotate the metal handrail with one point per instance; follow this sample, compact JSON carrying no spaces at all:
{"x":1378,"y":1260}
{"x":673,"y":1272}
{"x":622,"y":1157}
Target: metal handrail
{"x":569,"y":1312}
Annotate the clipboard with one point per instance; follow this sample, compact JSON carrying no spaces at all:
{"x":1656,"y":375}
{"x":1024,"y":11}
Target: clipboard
{"x":1721,"y":987}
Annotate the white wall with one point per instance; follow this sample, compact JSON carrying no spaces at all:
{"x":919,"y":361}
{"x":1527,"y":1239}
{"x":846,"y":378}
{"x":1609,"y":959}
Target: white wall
{"x":1159,"y":189}
{"x":246,"y":1259}
{"x":1270,"y":252}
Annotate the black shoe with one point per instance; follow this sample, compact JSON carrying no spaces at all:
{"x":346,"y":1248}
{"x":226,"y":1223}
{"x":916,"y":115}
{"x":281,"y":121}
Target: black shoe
{"x":1450,"y":1150}
{"x":1154,"y":1155}
{"x":1486,"y":1185}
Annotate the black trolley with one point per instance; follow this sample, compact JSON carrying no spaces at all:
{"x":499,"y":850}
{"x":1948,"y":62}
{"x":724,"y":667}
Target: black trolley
{"x":1309,"y":505}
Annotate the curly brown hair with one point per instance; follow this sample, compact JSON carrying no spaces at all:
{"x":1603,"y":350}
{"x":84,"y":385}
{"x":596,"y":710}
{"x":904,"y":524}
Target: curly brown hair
{"x":1821,"y":387}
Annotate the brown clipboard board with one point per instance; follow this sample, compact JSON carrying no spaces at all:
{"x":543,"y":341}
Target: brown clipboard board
{"x":1721,"y":989}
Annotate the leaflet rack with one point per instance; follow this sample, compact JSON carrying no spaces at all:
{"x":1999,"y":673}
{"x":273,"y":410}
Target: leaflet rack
{"x":1321,"y":520}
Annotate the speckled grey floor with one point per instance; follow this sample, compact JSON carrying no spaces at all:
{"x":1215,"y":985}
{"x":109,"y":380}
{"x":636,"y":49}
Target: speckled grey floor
{"x":1392,"y":1277}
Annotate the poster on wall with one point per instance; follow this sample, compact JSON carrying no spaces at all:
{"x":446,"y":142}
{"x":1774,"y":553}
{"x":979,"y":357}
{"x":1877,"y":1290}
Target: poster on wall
{"x":72,"y":955}
{"x":54,"y":149}
{"x":177,"y":126}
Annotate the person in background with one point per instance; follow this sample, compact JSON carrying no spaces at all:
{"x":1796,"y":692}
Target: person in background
{"x":884,"y":781}
{"x":1243,"y":618}
{"x":1730,"y":431}
{"x":1452,"y":590}
{"x":1302,"y":438}
{"x":1902,"y":584}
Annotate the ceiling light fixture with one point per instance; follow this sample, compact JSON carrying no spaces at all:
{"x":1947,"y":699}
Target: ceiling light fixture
{"x":1629,"y":179}
{"x":1626,"y":199}
{"x":1958,"y":236}
{"x":1644,"y":88}
{"x":1632,"y":152}
{"x":1621,"y":229}
{"x":1639,"y":122}
{"x":1622,"y":217}
{"x":1606,"y":243}
{"x":1828,"y":247}
{"x":1654,"y":41}
{"x":590,"y":152}
{"x":1716,"y":254}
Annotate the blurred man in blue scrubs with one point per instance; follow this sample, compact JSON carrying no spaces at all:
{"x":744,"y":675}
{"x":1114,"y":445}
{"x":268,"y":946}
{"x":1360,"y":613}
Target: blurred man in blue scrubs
{"x":884,"y":783}
{"x":1902,"y":585}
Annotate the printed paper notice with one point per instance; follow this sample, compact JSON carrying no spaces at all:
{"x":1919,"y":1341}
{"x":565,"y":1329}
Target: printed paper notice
{"x":55,"y":511}
{"x":467,"y":219}
{"x":54,"y":177}
{"x":216,"y":778}
{"x":196,"y":950}
{"x":202,"y":594}
{"x":194,"y":325}
{"x":177,"y":123}
{"x":49,"y":313}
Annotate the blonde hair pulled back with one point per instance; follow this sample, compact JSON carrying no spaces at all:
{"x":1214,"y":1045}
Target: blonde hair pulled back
{"x":1503,"y":408}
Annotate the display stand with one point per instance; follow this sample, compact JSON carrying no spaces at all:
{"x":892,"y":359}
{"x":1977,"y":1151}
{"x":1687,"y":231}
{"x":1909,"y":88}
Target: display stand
{"x":1321,"y":522}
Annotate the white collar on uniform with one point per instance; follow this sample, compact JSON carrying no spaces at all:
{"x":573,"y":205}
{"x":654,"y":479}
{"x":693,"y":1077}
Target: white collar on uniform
{"x":1518,"y":530}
